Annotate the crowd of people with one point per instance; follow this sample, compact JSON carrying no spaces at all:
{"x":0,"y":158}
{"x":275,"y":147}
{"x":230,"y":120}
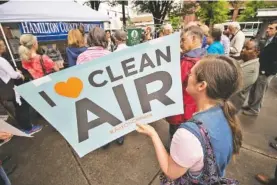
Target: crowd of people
{"x":81,"y":49}
{"x":219,"y":69}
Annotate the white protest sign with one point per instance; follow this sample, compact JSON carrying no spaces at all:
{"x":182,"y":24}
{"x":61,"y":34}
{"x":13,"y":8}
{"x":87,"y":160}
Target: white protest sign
{"x":6,"y":127}
{"x":97,"y":102}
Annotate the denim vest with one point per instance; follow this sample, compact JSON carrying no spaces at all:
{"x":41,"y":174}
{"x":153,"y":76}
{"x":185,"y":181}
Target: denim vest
{"x":220,"y":133}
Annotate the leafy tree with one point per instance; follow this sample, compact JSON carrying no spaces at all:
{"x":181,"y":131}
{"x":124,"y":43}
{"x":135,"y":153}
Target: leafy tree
{"x":212,"y":12}
{"x":184,"y":8}
{"x":236,"y":4}
{"x":95,"y":4}
{"x":179,"y":10}
{"x":251,"y":9}
{"x":159,"y":8}
{"x":175,"y":21}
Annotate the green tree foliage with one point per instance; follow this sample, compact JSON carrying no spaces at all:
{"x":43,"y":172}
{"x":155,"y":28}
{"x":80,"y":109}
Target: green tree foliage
{"x":180,"y":9}
{"x":95,"y":4}
{"x":175,"y":21}
{"x":184,"y":8}
{"x":251,"y":8}
{"x":212,"y":12}
{"x":159,"y":8}
{"x":236,"y":4}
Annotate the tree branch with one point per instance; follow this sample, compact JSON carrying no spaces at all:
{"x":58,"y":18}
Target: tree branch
{"x":158,"y":8}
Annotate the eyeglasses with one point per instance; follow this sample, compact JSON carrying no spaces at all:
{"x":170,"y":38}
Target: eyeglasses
{"x":248,"y":49}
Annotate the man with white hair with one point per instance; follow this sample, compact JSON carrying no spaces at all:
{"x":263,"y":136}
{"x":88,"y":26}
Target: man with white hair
{"x":225,"y":41}
{"x":237,"y":39}
{"x":192,"y":52}
{"x":168,"y":29}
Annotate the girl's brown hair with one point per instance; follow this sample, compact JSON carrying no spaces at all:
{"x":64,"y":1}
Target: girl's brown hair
{"x":223,"y":77}
{"x":75,"y":38}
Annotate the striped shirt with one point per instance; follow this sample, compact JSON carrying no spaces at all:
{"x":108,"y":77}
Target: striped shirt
{"x":91,"y":54}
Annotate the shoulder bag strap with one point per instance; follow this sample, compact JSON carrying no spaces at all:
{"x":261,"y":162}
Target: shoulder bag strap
{"x":234,"y":35}
{"x":42,"y":65}
{"x":207,"y":142}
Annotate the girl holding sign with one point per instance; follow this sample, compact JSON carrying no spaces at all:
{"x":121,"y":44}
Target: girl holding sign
{"x":202,"y":147}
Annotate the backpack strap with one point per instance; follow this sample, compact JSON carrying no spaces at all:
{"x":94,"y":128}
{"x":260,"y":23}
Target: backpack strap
{"x":197,"y":128}
{"x":191,"y":126}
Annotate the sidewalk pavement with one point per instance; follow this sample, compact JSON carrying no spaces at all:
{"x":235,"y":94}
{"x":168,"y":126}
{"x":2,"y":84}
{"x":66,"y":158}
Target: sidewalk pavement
{"x":47,"y":159}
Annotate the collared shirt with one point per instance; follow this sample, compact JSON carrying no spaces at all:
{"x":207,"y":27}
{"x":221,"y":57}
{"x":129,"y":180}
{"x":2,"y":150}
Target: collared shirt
{"x":250,"y":72}
{"x":237,"y":43}
{"x":216,"y":48}
{"x":225,"y":41}
{"x":91,"y":54}
{"x":7,"y":72}
{"x":268,"y":41}
{"x":121,"y":47}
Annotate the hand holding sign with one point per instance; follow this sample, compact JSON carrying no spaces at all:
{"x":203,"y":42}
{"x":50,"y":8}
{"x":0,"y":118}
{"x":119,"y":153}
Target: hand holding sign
{"x":5,"y":136}
{"x":109,"y":95}
{"x":146,"y":130}
{"x":8,"y":131}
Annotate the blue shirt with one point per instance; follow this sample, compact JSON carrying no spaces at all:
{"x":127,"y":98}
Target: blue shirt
{"x":216,"y":48}
{"x":220,"y":133}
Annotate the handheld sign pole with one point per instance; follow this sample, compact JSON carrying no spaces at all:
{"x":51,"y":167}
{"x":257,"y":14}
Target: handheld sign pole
{"x":8,"y":46}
